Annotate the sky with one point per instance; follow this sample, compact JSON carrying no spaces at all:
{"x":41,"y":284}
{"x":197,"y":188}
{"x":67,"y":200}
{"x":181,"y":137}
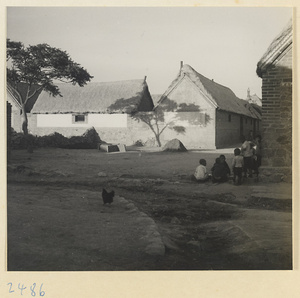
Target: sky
{"x":125,"y":43}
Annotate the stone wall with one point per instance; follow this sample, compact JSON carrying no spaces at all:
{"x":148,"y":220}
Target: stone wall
{"x":277,"y":119}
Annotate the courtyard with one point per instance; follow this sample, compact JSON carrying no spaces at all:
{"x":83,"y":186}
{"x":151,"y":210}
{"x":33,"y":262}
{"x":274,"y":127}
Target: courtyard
{"x":159,"y":219}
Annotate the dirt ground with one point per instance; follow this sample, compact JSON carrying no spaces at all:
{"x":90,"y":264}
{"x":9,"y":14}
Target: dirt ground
{"x":56,"y":220}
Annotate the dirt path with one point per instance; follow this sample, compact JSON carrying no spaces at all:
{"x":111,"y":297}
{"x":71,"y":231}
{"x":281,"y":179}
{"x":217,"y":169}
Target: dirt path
{"x":57,"y":229}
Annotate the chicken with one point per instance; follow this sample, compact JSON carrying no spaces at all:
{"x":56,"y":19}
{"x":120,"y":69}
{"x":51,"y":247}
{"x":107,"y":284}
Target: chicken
{"x":107,"y":197}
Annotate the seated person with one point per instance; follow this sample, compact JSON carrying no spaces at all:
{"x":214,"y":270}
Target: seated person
{"x":200,"y":174}
{"x":219,"y":171}
{"x":225,"y":164}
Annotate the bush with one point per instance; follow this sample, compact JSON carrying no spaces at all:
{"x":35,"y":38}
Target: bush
{"x":18,"y":140}
{"x":56,"y":140}
{"x":89,"y":140}
{"x":139,"y":143}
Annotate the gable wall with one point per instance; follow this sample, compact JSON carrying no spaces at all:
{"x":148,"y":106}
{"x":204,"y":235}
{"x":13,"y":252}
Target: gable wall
{"x":194,"y":129}
{"x":199,"y":134}
{"x":186,"y":92}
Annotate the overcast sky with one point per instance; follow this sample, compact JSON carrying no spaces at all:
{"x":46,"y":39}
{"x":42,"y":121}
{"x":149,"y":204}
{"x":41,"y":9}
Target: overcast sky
{"x":127,"y":43}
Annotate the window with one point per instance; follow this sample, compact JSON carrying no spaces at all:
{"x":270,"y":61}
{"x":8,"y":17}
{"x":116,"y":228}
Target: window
{"x":229,"y":118}
{"x":246,"y":120}
{"x":79,"y":118}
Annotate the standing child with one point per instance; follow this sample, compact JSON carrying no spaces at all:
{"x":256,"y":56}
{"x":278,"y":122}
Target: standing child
{"x":247,"y":152}
{"x":200,"y":172}
{"x":257,"y":159}
{"x":237,"y":166}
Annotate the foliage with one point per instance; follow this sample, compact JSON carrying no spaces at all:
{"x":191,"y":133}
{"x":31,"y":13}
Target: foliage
{"x":39,"y":67}
{"x":89,"y":140}
{"x":179,"y":129}
{"x":55,"y":140}
{"x":17,"y":140}
{"x":139,"y":143}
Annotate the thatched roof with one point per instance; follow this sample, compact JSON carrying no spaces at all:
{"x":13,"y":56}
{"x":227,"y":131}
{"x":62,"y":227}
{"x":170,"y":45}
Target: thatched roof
{"x":257,"y":108}
{"x":156,"y":98}
{"x":276,"y":49}
{"x":105,"y":97}
{"x":220,"y":96}
{"x":22,"y":87}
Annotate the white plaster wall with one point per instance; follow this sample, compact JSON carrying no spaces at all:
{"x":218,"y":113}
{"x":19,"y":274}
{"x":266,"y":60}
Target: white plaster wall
{"x":95,"y":120}
{"x":186,"y":92}
{"x":196,"y":135}
{"x":15,"y":114}
{"x":107,"y":120}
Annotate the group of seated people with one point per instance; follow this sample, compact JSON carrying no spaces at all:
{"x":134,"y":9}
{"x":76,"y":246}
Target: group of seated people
{"x":219,"y":172}
{"x":247,"y":160}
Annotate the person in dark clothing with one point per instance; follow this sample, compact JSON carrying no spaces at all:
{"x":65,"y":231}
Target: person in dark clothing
{"x":223,"y":161}
{"x":219,"y":171}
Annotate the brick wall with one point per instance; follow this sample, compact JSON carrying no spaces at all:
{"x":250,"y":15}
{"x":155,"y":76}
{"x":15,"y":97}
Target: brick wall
{"x":277,"y":118}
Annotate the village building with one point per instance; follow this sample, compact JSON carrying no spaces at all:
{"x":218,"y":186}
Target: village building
{"x":106,"y":106}
{"x":253,"y":99}
{"x":199,"y":112}
{"x":16,"y":108}
{"x":275,"y":69}
{"x":204,"y":114}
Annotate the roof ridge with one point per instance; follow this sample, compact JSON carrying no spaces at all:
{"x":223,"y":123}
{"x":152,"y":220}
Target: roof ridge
{"x":211,"y":80}
{"x":279,"y":44}
{"x":106,"y":82}
{"x":223,"y":97}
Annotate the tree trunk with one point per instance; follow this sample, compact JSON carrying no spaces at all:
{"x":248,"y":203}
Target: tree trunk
{"x":28,"y":139}
{"x":24,"y":121}
{"x":158,"y":140}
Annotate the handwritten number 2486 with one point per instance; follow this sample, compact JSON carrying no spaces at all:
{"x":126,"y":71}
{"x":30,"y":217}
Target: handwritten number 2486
{"x":22,"y":288}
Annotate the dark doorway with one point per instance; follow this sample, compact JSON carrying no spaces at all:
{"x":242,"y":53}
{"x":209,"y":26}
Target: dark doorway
{"x":241,"y":126}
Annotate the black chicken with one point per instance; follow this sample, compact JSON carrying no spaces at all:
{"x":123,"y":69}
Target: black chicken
{"x":107,"y":197}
